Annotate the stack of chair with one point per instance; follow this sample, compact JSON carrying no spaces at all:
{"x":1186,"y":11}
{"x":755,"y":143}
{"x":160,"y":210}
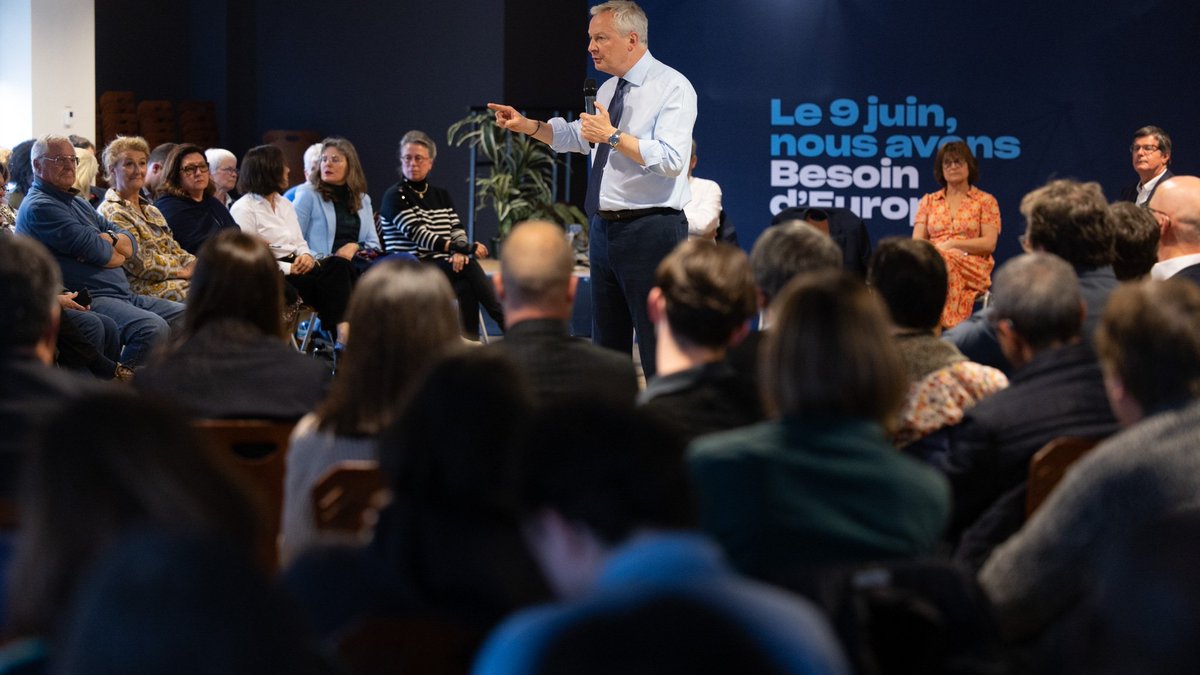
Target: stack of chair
{"x":157,"y":120}
{"x":118,"y":117}
{"x":198,"y":123}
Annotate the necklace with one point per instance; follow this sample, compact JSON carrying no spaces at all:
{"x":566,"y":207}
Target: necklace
{"x":420,"y":193}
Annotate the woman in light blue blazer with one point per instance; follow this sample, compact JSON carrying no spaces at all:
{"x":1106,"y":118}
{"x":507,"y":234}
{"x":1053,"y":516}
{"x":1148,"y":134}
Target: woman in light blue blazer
{"x":333,"y":208}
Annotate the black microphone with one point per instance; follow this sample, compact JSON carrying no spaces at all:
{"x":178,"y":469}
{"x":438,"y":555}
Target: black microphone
{"x":589,"y":96}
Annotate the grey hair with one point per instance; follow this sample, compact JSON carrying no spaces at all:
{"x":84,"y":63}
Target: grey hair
{"x":627,"y":17}
{"x":42,"y":144}
{"x":420,"y":138}
{"x":312,"y":155}
{"x":1039,"y":293}
{"x":787,"y":250}
{"x":217,"y":155}
{"x":1164,"y":141}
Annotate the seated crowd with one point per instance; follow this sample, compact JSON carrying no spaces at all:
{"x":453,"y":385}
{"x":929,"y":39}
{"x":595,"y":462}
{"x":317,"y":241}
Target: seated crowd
{"x":837,"y":487}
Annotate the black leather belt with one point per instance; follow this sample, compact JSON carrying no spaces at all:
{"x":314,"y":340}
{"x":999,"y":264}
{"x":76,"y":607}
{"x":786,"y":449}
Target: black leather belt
{"x":634,"y":214}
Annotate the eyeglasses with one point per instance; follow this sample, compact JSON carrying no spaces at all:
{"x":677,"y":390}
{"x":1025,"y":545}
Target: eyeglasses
{"x":414,"y":159}
{"x":194,"y":169}
{"x":1133,"y":149}
{"x":333,"y":159}
{"x":1161,"y":216}
{"x":948,"y":163}
{"x":63,"y":160}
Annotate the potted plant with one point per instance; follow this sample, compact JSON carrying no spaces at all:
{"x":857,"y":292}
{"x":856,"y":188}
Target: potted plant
{"x":518,"y":185}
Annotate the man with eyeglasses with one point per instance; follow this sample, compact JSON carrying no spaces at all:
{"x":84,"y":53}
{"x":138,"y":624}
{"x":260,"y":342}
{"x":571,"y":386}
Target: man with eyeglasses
{"x":1176,"y":207}
{"x":90,"y":250}
{"x":1151,"y":152}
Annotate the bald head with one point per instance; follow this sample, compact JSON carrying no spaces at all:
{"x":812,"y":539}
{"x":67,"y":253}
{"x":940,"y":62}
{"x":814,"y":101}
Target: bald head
{"x":1176,"y":205}
{"x":535,"y":270}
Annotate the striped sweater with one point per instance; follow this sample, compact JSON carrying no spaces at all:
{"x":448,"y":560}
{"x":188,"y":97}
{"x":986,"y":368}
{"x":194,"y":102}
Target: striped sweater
{"x":419,"y":225}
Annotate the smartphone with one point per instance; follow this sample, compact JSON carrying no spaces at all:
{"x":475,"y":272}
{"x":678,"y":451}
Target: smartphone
{"x":84,"y":299}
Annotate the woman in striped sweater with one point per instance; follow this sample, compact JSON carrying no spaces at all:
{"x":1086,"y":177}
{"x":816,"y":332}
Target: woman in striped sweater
{"x":420,"y":219}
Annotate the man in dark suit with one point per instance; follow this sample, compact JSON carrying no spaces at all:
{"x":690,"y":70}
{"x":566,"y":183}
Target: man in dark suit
{"x":847,"y":230}
{"x":536,"y":285}
{"x":1151,"y":152}
{"x":30,"y":389}
{"x":1176,"y":206}
{"x":1056,"y":388}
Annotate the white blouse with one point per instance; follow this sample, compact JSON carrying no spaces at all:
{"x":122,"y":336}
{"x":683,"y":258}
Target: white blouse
{"x":278,"y":226}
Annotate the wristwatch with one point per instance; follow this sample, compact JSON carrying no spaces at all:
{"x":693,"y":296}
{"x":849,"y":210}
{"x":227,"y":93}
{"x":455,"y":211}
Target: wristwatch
{"x":112,"y":235}
{"x":614,"y":139}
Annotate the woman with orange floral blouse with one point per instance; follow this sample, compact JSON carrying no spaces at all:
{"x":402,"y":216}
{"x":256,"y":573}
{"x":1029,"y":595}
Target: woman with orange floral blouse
{"x":963,"y":222}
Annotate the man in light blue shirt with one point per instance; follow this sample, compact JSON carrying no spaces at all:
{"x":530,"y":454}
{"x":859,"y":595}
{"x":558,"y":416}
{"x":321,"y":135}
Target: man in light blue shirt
{"x":642,"y":138}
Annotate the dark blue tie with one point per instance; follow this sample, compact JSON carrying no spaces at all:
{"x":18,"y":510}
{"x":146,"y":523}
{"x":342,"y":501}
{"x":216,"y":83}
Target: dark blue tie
{"x":592,"y":203}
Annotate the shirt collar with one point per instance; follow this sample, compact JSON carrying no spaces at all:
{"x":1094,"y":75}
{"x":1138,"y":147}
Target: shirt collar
{"x":640,"y":71}
{"x":1166,"y":269}
{"x":65,"y":196}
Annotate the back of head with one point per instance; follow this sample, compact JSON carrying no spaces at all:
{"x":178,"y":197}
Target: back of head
{"x":312,"y":158}
{"x":160,"y":153}
{"x":401,"y":318}
{"x":450,"y":447}
{"x":158,"y":602}
{"x":537,"y":266}
{"x":613,"y":469}
{"x":788,"y":249}
{"x":830,"y":352}
{"x":1149,"y":336}
{"x":20,"y":166}
{"x":1039,"y":294}
{"x":262,"y":171}
{"x":236,"y":278}
{"x":911,"y":277}
{"x":29,"y":285}
{"x":106,"y":463}
{"x":1135,"y":240}
{"x":1178,"y":200}
{"x":708,"y":289}
{"x":1069,"y":219}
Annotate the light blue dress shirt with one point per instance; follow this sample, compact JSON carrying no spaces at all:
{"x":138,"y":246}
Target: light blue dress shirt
{"x":660,"y":111}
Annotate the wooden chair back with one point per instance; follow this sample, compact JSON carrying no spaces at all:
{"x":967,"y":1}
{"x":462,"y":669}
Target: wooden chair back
{"x":347,"y":498}
{"x":258,"y":450}
{"x":1050,"y":464}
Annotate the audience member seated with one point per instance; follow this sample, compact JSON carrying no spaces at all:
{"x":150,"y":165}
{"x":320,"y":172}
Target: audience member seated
{"x":90,"y":251}
{"x":233,"y":358}
{"x":1056,"y":390}
{"x":30,"y":388}
{"x":312,"y":162}
{"x":703,"y":210}
{"x":910,"y":276}
{"x":843,"y":226}
{"x":1135,"y":240}
{"x":159,"y":267}
{"x":223,"y":172}
{"x":449,"y":544}
{"x":536,"y":285}
{"x":186,"y":200}
{"x":324,"y":284}
{"x":161,"y":602}
{"x":963,"y":222}
{"x":106,"y":464}
{"x":1069,"y":219}
{"x":700,"y":304}
{"x":607,"y":510}
{"x":402,"y":319}
{"x":85,"y":178}
{"x":1144,"y":616}
{"x":821,"y":484}
{"x":780,"y":254}
{"x":8,"y":217}
{"x":420,"y":219}
{"x":1149,"y":347}
{"x":1176,"y":208}
{"x":21,"y":170}
{"x":156,"y":169}
{"x":334,"y":209}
